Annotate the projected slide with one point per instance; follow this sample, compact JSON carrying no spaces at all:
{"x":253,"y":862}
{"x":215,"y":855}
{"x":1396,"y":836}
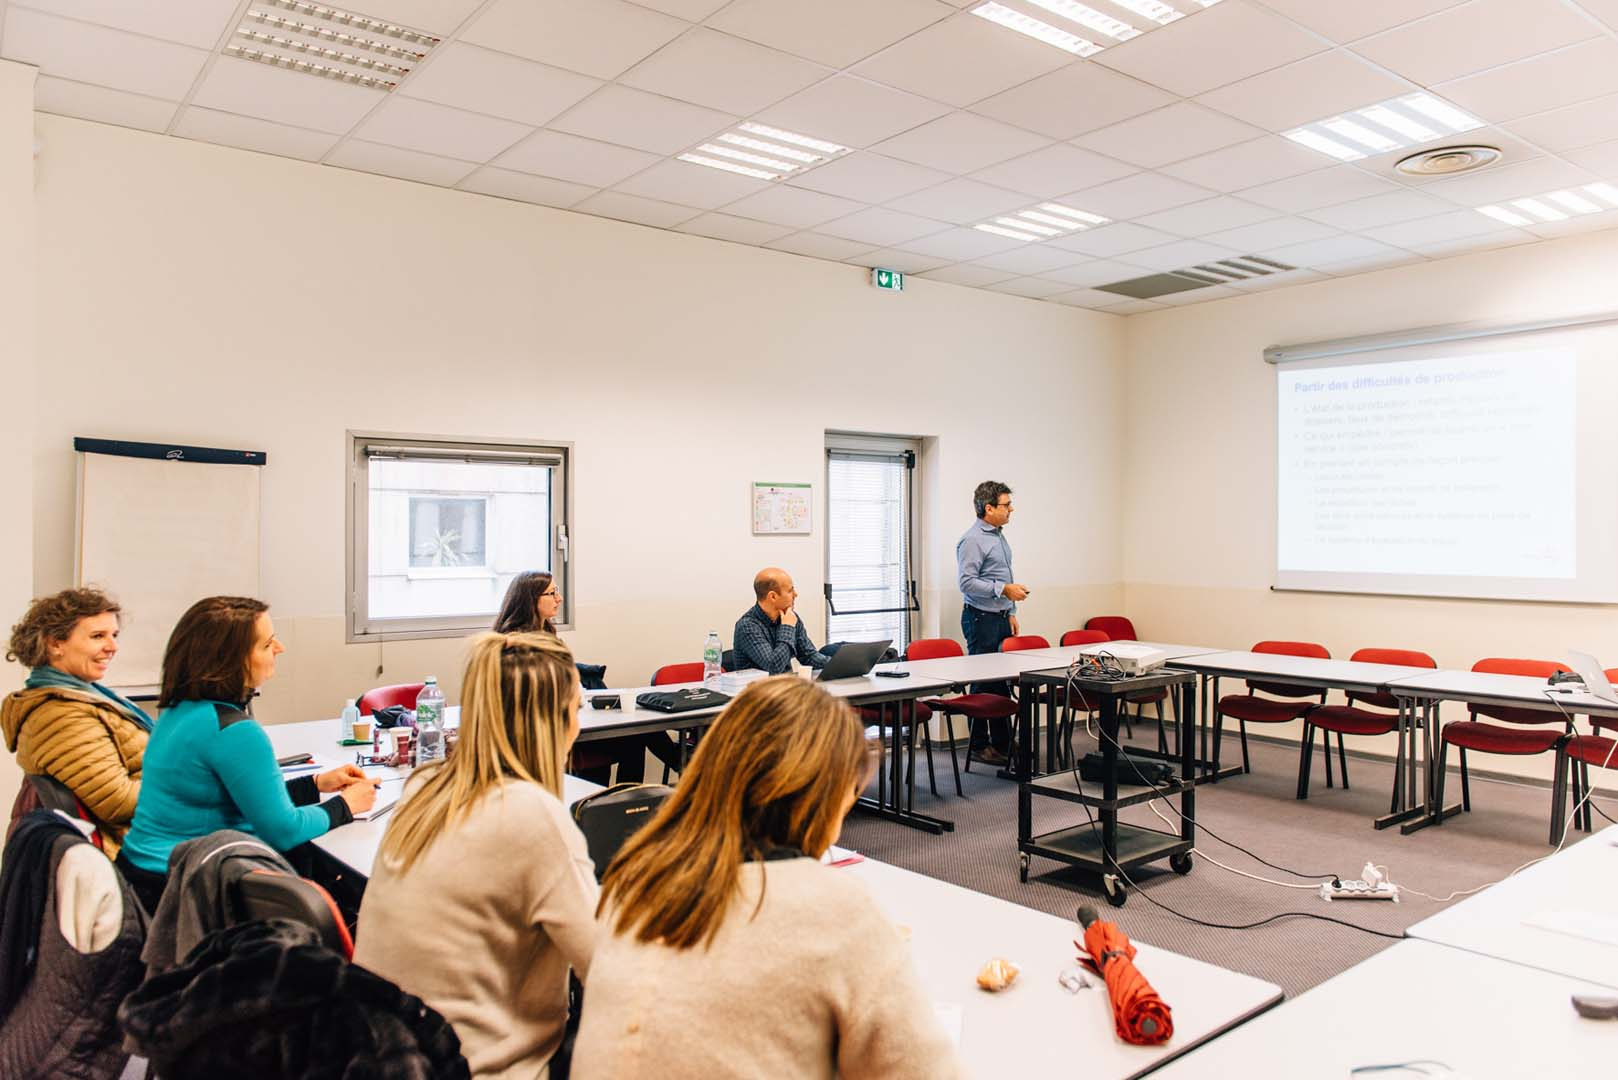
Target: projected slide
{"x":1460,"y":466}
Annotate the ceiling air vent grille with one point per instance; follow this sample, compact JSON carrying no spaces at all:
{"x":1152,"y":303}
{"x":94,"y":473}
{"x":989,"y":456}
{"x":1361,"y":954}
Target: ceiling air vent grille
{"x":1219,"y":272}
{"x":313,"y":39}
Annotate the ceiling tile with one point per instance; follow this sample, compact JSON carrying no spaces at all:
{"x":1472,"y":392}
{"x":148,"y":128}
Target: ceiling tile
{"x":960,"y":143}
{"x":1601,"y":159}
{"x":1386,"y":209}
{"x":104,"y":106}
{"x":1032,"y":287}
{"x":1169,"y":134}
{"x":1439,"y":249}
{"x":199,"y":23}
{"x":869,"y":178}
{"x":1572,"y":127}
{"x":1348,"y":22}
{"x":1031,"y":259}
{"x":1605,"y":10}
{"x":1360,"y":266}
{"x":1511,"y":182}
{"x":735,"y":229}
{"x":1512,"y":150}
{"x":1209,"y":215}
{"x":1333,"y":249}
{"x":1198,"y":296}
{"x":493,"y":83}
{"x":82,"y":52}
{"x":967,"y":274}
{"x":439,"y":129}
{"x":681,"y":182}
{"x":633,"y":208}
{"x":1097,"y":272}
{"x":249,"y":89}
{"x":850,"y":111}
{"x":1054,"y":171}
{"x":1248,"y":164}
{"x":782,"y":204}
{"x":1257,"y":239}
{"x":1325,"y":187}
{"x":617,"y":114}
{"x":1183,"y":253}
{"x":1073,"y":100}
{"x":1135,"y":195}
{"x":961,"y":244}
{"x":1579,"y":223}
{"x":961,"y":60}
{"x":1476,"y":36}
{"x":1277,"y":281}
{"x":581,"y":161}
{"x":819,"y":247}
{"x":442,"y":17}
{"x":961,"y":202}
{"x":1456,"y":225}
{"x":1086,"y":298}
{"x":1131,"y":307}
{"x":1315,"y":88}
{"x":1572,"y":75}
{"x":248,"y":133}
{"x":403,"y":164}
{"x":880,"y":226}
{"x":835,"y":32}
{"x":692,"y":10}
{"x":603,"y":38}
{"x":525,"y":188}
{"x":722,"y":72}
{"x":1212,"y":48}
{"x":1110,"y":240}
{"x":893,"y":259}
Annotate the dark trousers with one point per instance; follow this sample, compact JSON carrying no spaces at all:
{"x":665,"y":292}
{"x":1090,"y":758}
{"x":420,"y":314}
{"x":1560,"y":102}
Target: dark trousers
{"x":984,"y":631}
{"x":147,"y":886}
{"x":629,"y":754}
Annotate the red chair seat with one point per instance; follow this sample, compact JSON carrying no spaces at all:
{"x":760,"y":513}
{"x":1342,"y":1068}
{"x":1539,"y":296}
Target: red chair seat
{"x":1348,"y":720}
{"x":1257,"y":710}
{"x":1148,"y":697}
{"x":1489,"y":739}
{"x":1511,"y":715}
{"x":976,"y":706}
{"x":1593,"y":750}
{"x":872,"y":714}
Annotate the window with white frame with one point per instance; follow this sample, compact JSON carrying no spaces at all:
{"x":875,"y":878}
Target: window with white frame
{"x":870,"y":538}
{"x":439,"y":527}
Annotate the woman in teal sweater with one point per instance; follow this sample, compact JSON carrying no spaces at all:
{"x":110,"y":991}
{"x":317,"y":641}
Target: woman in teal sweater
{"x":209,"y":765}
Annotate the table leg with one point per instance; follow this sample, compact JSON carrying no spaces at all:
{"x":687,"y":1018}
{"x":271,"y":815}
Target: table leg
{"x":1109,"y":782}
{"x":1404,"y":806}
{"x":1188,"y":798}
{"x":1431,"y":812}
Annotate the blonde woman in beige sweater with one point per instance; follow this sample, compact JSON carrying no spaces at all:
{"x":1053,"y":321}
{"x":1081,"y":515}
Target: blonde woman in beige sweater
{"x":727,"y":949}
{"x":483,"y":893}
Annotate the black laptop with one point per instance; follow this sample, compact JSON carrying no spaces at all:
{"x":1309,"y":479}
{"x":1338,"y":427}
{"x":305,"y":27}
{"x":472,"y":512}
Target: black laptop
{"x":853,"y":659}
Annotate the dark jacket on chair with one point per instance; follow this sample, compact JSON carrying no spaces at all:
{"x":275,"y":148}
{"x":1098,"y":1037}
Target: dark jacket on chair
{"x":267,"y":999}
{"x":197,"y":900}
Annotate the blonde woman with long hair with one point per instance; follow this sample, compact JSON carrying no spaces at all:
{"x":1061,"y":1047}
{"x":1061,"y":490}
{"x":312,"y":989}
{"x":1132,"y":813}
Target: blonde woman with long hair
{"x":727,"y":949}
{"x":483,"y":893}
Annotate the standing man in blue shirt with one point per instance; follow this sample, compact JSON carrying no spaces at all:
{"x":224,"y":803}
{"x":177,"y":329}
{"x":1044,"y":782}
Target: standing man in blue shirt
{"x":989,"y":611}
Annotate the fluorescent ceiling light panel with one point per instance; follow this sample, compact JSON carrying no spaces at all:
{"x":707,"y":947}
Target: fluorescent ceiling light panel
{"x":765,"y":155}
{"x":274,"y":43}
{"x":1572,"y":200}
{"x":1027,"y":226}
{"x":328,"y":33}
{"x":1048,"y":219}
{"x":769,"y":147}
{"x":742,"y":155}
{"x":998,"y":231}
{"x":1089,"y":18}
{"x":357,"y":22}
{"x":729,"y":166}
{"x":1039,"y":31}
{"x":1603,"y":191}
{"x":307,"y":67}
{"x":313,"y":39}
{"x":1154,"y":10}
{"x":1507,"y":217}
{"x":1586,"y":200}
{"x":1068,"y":211}
{"x":1539,"y":209}
{"x":1390,"y":125}
{"x":792,"y":137}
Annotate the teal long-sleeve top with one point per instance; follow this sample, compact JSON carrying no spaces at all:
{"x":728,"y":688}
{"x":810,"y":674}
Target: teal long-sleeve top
{"x":210,"y":766}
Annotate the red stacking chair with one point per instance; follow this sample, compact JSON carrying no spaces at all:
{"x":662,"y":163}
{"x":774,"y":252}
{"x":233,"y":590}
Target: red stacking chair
{"x":1573,"y":759}
{"x":690,"y":671}
{"x":1119,"y":628}
{"x":1353,"y":719}
{"x":975,"y":707}
{"x":1022,"y":642}
{"x":1083,"y":637}
{"x":1534,"y":731}
{"x":1251,"y":708}
{"x":384,"y":696}
{"x":1116,"y":627}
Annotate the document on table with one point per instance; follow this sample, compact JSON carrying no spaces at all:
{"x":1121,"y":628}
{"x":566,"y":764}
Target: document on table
{"x":1589,"y":925}
{"x":387,"y":797}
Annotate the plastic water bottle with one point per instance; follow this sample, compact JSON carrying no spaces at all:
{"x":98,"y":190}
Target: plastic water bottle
{"x":712,"y":651}
{"x":430,"y":723}
{"x":351,"y":716}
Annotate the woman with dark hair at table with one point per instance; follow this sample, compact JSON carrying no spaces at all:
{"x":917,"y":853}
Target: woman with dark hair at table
{"x":209,"y":765}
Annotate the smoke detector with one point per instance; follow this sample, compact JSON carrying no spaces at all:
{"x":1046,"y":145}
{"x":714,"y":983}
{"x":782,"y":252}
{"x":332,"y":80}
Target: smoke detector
{"x":1448,"y":160}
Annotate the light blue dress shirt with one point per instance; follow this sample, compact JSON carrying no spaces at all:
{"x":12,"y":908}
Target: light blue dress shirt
{"x":983,"y":563}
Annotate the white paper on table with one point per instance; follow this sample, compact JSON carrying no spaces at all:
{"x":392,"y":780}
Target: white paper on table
{"x":1589,"y":925}
{"x":387,"y":797}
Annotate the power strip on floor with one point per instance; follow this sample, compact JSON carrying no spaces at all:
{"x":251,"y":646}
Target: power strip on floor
{"x":1359,"y":890}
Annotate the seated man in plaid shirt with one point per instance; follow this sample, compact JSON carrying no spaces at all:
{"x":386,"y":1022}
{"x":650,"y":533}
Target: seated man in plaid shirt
{"x":769,"y":637}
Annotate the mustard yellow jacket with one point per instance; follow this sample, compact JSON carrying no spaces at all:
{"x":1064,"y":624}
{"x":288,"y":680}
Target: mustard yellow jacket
{"x":85,"y":742}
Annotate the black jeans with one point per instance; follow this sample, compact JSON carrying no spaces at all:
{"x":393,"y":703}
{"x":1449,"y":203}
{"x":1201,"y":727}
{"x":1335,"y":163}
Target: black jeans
{"x":629,"y":754}
{"x":984,"y":631}
{"x":147,"y":886}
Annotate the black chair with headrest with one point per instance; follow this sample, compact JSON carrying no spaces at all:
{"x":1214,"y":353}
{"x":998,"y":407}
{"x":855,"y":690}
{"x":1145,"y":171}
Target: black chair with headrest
{"x":271,"y":894}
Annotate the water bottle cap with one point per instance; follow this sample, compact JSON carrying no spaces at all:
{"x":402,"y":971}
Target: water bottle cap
{"x":349,"y":702}
{"x":432,"y":680}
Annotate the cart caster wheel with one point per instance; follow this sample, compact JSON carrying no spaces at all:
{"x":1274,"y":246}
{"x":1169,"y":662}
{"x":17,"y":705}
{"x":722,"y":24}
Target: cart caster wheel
{"x":1116,"y":893}
{"x":1181,"y":863}
{"x":1022,"y":866}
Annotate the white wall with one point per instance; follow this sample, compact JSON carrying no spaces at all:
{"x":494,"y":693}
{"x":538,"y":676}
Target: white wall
{"x":1199,"y":542}
{"x":205,"y":295}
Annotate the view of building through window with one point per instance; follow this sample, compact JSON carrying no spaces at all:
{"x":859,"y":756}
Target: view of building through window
{"x":868,"y":538}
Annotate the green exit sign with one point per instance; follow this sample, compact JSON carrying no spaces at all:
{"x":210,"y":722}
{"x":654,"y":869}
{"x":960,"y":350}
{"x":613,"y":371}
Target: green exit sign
{"x":887,"y":279}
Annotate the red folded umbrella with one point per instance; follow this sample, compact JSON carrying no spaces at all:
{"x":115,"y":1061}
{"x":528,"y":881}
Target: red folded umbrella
{"x":1141,"y":1017}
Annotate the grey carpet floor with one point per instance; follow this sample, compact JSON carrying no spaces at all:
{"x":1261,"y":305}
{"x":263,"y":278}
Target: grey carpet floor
{"x":1328,"y":833}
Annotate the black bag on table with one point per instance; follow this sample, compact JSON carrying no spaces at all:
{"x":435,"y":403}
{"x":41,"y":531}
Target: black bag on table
{"x":677,"y":701}
{"x":610,"y":817}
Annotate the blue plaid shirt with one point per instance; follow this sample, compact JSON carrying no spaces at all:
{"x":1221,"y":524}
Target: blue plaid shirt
{"x":983,"y":562}
{"x":771,"y":645}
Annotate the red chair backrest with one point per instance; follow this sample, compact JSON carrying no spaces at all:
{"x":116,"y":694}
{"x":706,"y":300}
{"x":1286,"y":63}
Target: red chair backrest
{"x":1024,"y":641}
{"x":1116,"y":627}
{"x":384,"y":696}
{"x":1085,"y":637}
{"x":690,"y":671}
{"x":1502,"y":665}
{"x":933,"y":648}
{"x":1289,"y":648}
{"x":1400,"y":657}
